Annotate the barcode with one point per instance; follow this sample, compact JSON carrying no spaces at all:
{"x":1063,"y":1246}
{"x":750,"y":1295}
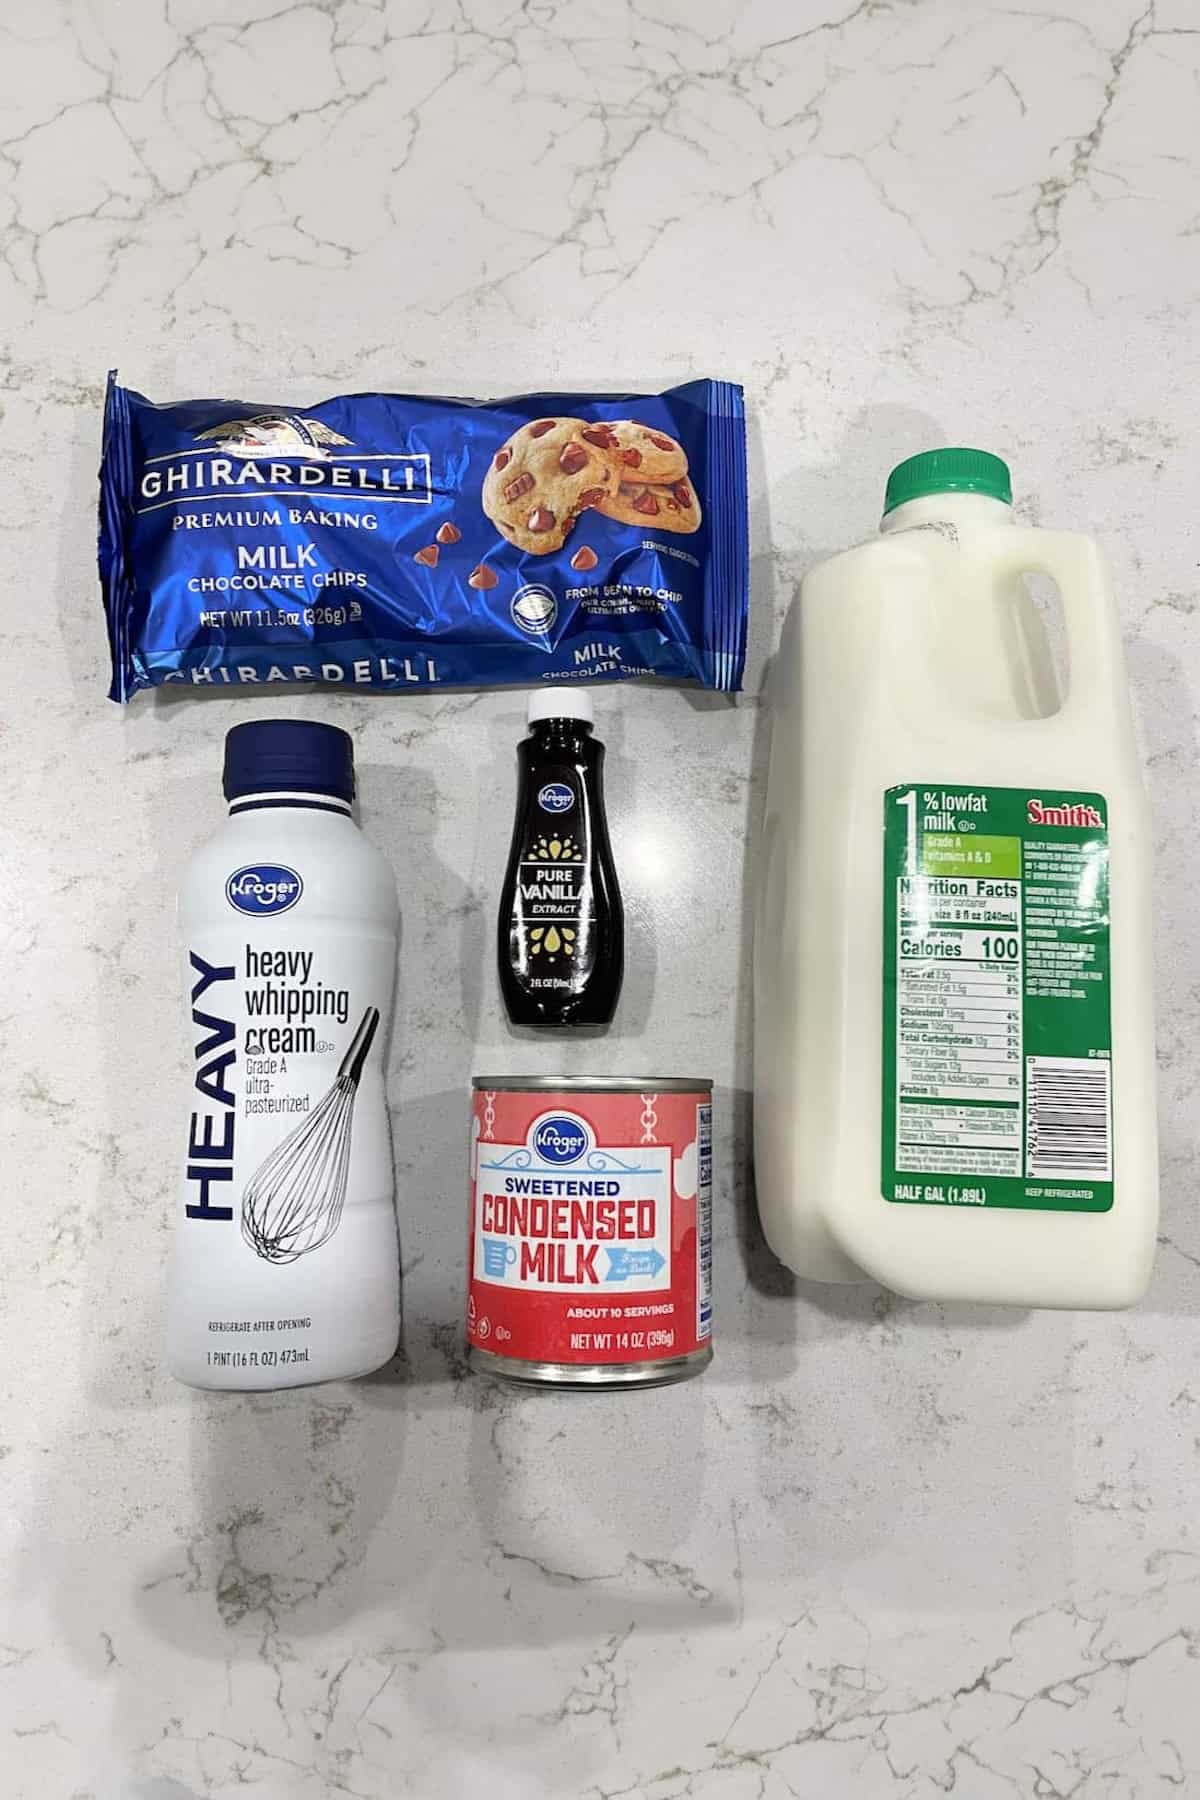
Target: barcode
{"x":704,"y":1223}
{"x":1068,"y":1118}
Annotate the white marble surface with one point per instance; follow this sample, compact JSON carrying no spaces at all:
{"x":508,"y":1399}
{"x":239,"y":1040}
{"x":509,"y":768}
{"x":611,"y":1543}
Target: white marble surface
{"x":881,"y":1550}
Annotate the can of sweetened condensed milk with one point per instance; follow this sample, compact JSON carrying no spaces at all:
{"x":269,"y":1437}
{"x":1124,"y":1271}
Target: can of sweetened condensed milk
{"x":590,"y":1251}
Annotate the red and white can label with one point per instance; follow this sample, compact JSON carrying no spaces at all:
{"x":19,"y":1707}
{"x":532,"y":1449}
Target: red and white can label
{"x":591,"y":1225}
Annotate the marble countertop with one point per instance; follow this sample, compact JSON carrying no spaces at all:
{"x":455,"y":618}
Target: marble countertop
{"x":881,"y":1549}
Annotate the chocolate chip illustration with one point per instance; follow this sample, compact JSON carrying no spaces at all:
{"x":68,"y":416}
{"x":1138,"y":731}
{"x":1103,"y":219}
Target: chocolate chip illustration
{"x":522,"y":485}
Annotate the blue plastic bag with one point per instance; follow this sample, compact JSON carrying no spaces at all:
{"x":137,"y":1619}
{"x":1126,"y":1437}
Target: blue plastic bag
{"x":389,"y":541}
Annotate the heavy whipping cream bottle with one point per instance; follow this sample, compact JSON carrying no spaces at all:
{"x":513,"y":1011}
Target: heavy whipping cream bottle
{"x":285,"y":1266}
{"x":954,"y":1060}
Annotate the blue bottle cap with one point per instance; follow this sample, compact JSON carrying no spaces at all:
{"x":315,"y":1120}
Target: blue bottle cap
{"x":288,"y":756}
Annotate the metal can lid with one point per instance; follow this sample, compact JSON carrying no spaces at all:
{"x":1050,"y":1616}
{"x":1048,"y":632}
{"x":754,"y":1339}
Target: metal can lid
{"x":592,"y":1084}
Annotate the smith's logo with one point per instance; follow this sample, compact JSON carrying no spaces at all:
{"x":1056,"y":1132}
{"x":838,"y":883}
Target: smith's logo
{"x":1077,"y":815}
{"x":281,"y":453}
{"x":275,"y":434}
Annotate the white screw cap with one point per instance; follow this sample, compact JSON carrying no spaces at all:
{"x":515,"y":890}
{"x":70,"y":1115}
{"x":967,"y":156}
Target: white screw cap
{"x":561,"y":700}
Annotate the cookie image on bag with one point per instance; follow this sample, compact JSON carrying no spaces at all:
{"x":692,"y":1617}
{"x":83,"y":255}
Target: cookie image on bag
{"x":543,"y":477}
{"x":654,"y":506}
{"x":644,"y":453}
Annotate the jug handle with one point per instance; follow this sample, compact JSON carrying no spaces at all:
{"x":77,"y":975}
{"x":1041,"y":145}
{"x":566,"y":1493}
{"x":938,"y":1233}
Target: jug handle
{"x":1078,"y":568}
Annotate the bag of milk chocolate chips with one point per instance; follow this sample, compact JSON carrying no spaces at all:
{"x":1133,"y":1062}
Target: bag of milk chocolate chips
{"x":393,"y":541}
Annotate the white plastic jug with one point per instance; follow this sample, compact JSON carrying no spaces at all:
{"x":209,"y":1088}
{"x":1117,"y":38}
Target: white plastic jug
{"x":954,"y":1058}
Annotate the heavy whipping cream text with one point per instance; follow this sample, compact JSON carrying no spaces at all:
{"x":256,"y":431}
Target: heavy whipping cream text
{"x":280,"y":985}
{"x":213,"y":1128}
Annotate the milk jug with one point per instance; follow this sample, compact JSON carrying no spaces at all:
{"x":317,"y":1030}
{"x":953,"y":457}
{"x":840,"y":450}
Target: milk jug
{"x":954,"y":1057}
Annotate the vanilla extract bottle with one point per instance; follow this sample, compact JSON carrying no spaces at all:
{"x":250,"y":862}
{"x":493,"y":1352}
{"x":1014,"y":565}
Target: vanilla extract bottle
{"x":562,"y":930}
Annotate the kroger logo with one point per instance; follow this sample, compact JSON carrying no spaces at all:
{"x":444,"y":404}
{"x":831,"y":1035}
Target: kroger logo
{"x":558,"y":1138}
{"x":263,"y":888}
{"x":555,"y":797}
{"x":534,"y":609}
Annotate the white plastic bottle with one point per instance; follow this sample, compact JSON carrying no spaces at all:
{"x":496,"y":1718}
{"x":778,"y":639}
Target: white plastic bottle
{"x":285,"y":1266}
{"x":954,"y":1067}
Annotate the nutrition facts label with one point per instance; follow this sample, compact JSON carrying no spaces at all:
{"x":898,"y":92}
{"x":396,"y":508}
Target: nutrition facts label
{"x":958,"y":1026}
{"x":996,"y":1008}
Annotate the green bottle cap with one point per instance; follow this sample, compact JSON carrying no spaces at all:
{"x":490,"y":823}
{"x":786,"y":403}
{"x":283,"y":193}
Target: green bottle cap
{"x":948,"y":472}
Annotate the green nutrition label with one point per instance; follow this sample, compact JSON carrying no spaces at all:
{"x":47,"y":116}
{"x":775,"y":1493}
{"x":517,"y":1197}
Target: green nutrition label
{"x":996,"y":1012}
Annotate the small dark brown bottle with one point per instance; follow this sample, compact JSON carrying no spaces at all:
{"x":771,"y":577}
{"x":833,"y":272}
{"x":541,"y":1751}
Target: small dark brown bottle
{"x":562,"y":929}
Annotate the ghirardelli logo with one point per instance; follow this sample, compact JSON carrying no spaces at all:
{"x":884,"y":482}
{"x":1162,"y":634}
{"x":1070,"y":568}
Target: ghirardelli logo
{"x":281,"y":453}
{"x":274,"y":434}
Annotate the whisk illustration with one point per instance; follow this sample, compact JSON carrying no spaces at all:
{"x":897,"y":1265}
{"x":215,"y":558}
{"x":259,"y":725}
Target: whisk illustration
{"x":293,"y":1202}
